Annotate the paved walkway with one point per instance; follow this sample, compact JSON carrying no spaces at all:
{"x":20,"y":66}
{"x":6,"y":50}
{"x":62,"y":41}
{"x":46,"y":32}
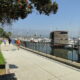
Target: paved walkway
{"x":29,"y":66}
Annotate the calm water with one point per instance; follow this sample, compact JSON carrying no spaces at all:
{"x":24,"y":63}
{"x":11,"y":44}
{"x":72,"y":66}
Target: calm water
{"x":73,"y":55}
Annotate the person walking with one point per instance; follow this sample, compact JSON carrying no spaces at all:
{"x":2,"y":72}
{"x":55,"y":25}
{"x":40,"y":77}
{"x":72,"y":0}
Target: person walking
{"x":9,"y":40}
{"x":4,"y":41}
{"x":18,"y":42}
{"x":13,"y":41}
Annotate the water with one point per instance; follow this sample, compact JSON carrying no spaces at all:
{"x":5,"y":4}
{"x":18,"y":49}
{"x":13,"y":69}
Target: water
{"x":73,"y":55}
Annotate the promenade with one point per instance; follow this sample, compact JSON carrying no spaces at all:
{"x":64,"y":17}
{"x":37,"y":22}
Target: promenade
{"x":29,"y":66}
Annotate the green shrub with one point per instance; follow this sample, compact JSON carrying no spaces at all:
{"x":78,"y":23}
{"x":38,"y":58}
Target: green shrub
{"x":2,"y":60}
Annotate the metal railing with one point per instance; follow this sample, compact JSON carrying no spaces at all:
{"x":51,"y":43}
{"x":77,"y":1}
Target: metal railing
{"x":46,"y":47}
{"x":38,"y":46}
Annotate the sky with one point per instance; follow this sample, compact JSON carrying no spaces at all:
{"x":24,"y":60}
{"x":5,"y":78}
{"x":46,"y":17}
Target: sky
{"x":67,"y":18}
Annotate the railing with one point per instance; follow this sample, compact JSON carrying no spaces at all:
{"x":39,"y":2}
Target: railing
{"x":38,"y":46}
{"x":46,"y":47}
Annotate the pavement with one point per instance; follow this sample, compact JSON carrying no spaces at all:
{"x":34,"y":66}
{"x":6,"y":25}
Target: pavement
{"x":29,"y":66}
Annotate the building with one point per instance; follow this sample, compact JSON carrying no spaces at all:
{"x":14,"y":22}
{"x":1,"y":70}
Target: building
{"x":59,"y":38}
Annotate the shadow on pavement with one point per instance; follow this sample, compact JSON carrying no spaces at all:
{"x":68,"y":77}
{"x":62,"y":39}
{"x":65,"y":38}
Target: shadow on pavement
{"x":10,"y":76}
{"x":12,"y":66}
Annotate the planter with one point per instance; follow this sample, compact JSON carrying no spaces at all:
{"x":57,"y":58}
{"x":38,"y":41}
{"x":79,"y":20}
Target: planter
{"x":2,"y":72}
{"x":2,"y":69}
{"x":2,"y":66}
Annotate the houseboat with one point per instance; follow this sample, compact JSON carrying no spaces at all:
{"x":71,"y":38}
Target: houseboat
{"x":59,"y":38}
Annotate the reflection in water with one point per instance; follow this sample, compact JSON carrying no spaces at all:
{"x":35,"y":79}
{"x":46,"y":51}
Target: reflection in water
{"x":73,"y":55}
{"x":78,"y":54}
{"x":60,"y":53}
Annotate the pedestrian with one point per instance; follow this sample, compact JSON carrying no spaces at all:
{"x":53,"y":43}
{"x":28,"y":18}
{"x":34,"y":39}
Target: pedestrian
{"x":4,"y":41}
{"x":18,"y":42}
{"x":13,"y":41}
{"x":9,"y":40}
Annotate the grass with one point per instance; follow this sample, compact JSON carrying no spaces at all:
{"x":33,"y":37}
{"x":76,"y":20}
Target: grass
{"x":2,"y":60}
{"x":0,"y":41}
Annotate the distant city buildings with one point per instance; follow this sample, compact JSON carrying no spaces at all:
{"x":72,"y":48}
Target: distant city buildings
{"x":33,"y":39}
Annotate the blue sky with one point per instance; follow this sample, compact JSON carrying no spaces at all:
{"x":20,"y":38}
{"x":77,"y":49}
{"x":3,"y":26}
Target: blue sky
{"x":67,"y":18}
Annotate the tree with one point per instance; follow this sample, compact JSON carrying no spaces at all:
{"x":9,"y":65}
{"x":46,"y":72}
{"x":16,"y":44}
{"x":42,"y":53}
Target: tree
{"x":1,"y":32}
{"x":4,"y":33}
{"x":11,"y":10}
{"x":9,"y":33}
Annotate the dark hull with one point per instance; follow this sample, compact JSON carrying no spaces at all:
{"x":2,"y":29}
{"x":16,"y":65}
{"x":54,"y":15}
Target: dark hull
{"x":58,"y":46}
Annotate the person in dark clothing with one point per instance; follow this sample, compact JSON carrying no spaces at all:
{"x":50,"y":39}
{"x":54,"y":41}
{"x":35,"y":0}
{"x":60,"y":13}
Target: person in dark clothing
{"x":9,"y":40}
